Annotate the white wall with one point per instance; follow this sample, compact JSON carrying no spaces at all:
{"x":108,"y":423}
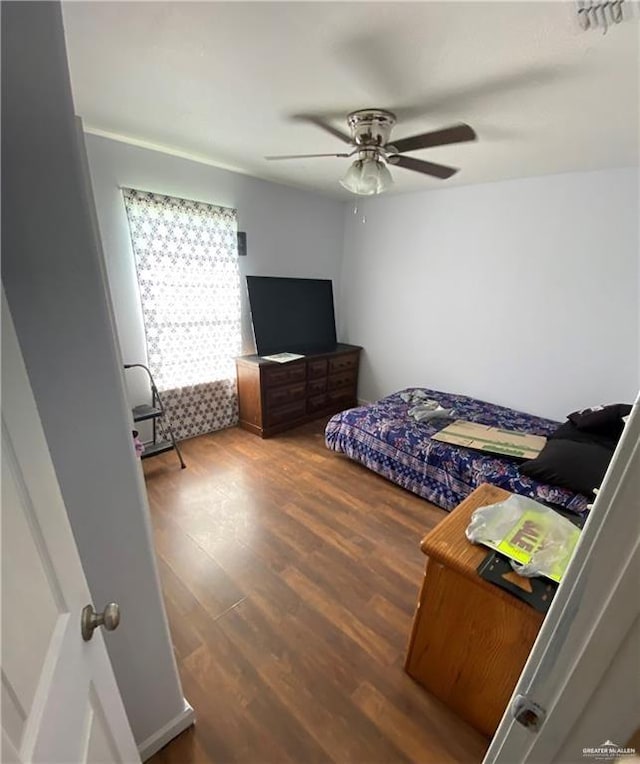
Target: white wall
{"x":289,"y":232}
{"x":523,"y":293}
{"x":53,"y":274}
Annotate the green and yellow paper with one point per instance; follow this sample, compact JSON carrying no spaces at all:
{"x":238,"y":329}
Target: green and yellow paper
{"x":527,"y":532}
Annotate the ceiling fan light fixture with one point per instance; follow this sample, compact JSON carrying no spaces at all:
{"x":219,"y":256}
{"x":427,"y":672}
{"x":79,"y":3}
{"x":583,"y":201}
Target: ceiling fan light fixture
{"x":367,"y":177}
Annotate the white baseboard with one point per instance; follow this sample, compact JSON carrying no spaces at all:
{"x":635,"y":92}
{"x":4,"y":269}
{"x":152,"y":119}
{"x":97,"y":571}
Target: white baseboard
{"x":362,"y":402}
{"x":171,"y":729}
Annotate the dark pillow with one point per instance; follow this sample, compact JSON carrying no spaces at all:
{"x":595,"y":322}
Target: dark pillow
{"x":580,"y":467}
{"x":606,"y":420}
{"x":568,"y":431}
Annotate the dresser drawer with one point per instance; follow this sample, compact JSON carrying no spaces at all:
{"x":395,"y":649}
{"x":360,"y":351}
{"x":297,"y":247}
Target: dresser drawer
{"x":317,"y":403}
{"x":343,"y":362}
{"x":317,"y":368}
{"x":343,"y":395}
{"x":316,"y":386}
{"x":344,"y":379}
{"x":281,"y":375}
{"x":289,"y":413}
{"x":278,"y":396}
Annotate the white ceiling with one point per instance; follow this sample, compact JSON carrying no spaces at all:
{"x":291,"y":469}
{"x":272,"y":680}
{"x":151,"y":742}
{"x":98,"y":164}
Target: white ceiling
{"x":222,"y":81}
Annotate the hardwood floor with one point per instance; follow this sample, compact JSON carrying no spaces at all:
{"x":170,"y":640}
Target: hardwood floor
{"x":290,"y":576}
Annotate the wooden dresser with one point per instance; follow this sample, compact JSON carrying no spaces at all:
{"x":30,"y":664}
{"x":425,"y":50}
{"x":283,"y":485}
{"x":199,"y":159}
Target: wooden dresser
{"x":470,"y":638}
{"x":277,"y":396}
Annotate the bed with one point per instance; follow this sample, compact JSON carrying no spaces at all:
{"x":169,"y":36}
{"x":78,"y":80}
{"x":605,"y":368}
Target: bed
{"x":383,"y":438}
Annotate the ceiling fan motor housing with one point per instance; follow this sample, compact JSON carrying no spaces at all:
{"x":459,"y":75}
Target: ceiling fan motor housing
{"x":371,"y":127}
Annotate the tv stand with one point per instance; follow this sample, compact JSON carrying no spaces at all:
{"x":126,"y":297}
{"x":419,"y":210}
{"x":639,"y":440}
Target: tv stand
{"x":274,"y":397}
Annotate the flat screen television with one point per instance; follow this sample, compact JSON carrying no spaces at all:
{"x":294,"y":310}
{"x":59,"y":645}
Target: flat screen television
{"x":292,"y":315}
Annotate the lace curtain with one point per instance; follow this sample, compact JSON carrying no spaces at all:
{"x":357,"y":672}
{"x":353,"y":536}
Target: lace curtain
{"x":187,"y":264}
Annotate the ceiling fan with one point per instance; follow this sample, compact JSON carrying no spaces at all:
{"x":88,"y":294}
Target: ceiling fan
{"x":370,"y":138}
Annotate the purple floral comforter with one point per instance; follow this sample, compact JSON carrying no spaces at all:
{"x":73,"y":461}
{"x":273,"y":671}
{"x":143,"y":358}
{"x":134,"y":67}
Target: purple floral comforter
{"x":385,"y":439}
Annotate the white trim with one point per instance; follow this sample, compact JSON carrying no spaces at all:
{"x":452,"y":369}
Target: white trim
{"x":363,"y":402}
{"x":151,"y":146}
{"x":202,"y":159}
{"x":165,"y":734}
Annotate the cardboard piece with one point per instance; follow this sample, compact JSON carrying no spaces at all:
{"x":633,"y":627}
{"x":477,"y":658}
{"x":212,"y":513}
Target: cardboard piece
{"x":492,"y":439}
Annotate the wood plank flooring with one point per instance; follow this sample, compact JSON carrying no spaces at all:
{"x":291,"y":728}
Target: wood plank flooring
{"x":290,"y":576}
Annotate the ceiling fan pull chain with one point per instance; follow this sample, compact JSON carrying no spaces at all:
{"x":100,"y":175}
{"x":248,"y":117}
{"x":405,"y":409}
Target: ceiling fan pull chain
{"x":355,"y":212}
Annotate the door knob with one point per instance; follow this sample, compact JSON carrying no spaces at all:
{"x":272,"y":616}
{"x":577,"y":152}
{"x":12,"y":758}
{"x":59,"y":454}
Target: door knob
{"x":109,"y":618}
{"x":529,"y":714}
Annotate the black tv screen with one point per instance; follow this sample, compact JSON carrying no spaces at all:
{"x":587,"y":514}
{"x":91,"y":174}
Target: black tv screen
{"x":292,"y":315}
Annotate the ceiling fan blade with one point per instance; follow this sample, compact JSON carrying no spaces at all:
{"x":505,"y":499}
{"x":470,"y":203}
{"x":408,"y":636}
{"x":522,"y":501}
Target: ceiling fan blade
{"x":456,"y":134}
{"x":306,"y":156}
{"x":324,"y":125}
{"x":419,"y":165}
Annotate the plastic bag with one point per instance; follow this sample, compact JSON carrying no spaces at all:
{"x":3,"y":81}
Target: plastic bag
{"x":416,"y":396}
{"x":430,"y":410}
{"x":424,"y":408}
{"x":537,"y":540}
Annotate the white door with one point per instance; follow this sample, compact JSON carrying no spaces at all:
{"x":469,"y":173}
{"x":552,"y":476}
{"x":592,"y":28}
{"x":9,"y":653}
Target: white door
{"x":60,"y":701}
{"x":584,"y":669}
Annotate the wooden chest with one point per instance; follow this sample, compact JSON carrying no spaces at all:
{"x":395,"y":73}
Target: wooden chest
{"x":470,"y":639}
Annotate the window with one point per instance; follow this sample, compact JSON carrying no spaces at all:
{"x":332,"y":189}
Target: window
{"x":189,"y":280}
